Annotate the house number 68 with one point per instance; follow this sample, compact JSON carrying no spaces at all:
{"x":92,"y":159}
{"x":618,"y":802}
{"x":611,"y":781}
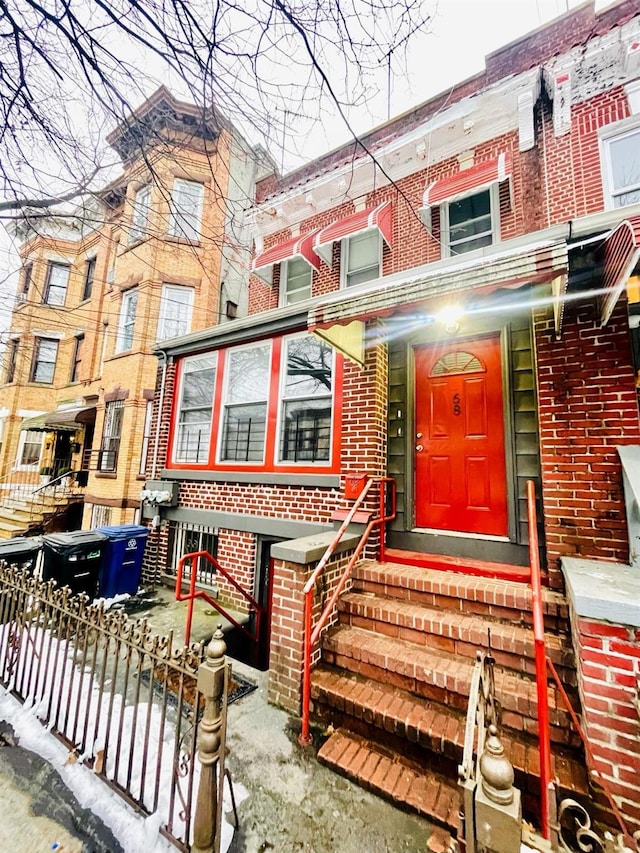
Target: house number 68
{"x":457,"y":408}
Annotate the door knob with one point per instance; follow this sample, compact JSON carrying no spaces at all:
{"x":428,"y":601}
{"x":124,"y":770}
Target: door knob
{"x":418,"y":435}
{"x":419,"y":447}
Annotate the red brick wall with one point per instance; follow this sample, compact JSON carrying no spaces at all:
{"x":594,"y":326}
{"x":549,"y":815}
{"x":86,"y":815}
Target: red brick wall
{"x":609,"y":668}
{"x":287,"y":625}
{"x":587,"y":405}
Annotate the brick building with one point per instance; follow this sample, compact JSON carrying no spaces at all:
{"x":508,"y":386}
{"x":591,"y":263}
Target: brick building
{"x":157,"y":254}
{"x":449,"y":303}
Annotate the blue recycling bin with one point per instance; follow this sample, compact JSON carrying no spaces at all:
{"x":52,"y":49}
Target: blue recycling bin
{"x":122,"y":559}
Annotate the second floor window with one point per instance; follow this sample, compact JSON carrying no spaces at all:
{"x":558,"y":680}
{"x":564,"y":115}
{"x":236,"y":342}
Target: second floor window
{"x":176,"y":305}
{"x":295,"y":281}
{"x":27,"y":274}
{"x":140,"y":215}
{"x":76,"y":361}
{"x":468,"y":223}
{"x":12,"y":360}
{"x":89,"y":273}
{"x":126,"y":325}
{"x":43,"y":366}
{"x":185,"y":215}
{"x":621,"y":156}
{"x":111,"y":435}
{"x":55,"y":291}
{"x":361,"y":258}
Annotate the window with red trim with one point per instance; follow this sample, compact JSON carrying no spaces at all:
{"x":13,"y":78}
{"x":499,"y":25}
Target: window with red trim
{"x":265,"y":406}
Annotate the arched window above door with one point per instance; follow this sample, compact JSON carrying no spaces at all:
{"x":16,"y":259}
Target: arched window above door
{"x":457,"y":362}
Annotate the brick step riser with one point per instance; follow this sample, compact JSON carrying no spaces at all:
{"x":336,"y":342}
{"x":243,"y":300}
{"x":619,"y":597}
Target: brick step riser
{"x":443,"y":763}
{"x":506,"y":657}
{"x":553,"y":622}
{"x":560,"y":724}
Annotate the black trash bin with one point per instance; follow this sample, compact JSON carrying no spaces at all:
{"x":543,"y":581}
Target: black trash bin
{"x":74,"y":559}
{"x":21,"y":552}
{"x":122,"y":558}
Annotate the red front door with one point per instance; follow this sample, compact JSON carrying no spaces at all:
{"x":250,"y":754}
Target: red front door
{"x":460,"y":468}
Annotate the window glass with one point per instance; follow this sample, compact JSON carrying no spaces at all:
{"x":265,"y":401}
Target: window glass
{"x":624,"y":153}
{"x":176,"y":306}
{"x":297,"y":280}
{"x":12,"y":360}
{"x":140,"y":216}
{"x":111,"y":434}
{"x":30,"y":448}
{"x":196,"y":405}
{"x":89,"y":273}
{"x":245,"y":409}
{"x":57,"y":280}
{"x":45,"y":353}
{"x":77,"y":358}
{"x":146,"y":435}
{"x":305,"y":417}
{"x":100,"y":516}
{"x":470,"y":224}
{"x":127,"y":321}
{"x":187,"y":538}
{"x":186,"y":209}
{"x":27,"y":274}
{"x":362,"y":258}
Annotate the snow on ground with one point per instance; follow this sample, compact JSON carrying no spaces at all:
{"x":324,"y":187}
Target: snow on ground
{"x":134,"y":832}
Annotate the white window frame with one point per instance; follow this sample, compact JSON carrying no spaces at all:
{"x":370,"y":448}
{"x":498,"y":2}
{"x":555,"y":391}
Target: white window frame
{"x":57,"y":287}
{"x":126,"y":323}
{"x":608,"y":135}
{"x":140,"y":214}
{"x":169,"y":306}
{"x":100,"y":515}
{"x":344,"y":259}
{"x":225,"y":404}
{"x":186,"y":224}
{"x":282,"y":400}
{"x":21,"y":443}
{"x":284,"y":282}
{"x":494,"y":206}
{"x":178,"y":456}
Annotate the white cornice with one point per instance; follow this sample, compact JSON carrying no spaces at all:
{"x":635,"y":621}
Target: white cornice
{"x":464,"y":125}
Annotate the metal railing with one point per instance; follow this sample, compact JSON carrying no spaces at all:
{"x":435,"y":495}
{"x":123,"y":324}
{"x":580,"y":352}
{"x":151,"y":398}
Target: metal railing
{"x":551,"y":819}
{"x":124,"y":701}
{"x":254,"y":606}
{"x":312,"y":634}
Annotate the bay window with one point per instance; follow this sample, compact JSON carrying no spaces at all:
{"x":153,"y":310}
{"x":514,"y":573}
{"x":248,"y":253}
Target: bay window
{"x":127,"y":322}
{"x":245,"y":404}
{"x":195,"y":407}
{"x":305,"y":415}
{"x":185,"y":216}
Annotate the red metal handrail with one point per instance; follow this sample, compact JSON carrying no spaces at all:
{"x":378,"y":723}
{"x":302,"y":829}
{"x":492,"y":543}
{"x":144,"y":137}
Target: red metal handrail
{"x":254,"y":606}
{"x":545,"y":665}
{"x":311,"y":634}
{"x":544,"y":736}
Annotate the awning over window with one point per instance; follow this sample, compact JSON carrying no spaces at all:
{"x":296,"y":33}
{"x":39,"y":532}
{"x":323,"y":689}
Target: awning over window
{"x":621,"y":256}
{"x":535,"y":264}
{"x":475,"y":178}
{"x":297,"y":247}
{"x":61,"y":420}
{"x":364,"y":220}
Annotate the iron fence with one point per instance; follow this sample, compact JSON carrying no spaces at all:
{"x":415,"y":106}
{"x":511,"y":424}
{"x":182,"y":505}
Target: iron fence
{"x":125,"y":702}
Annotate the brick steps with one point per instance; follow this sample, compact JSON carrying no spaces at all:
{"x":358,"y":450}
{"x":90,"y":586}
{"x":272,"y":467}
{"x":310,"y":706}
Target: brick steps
{"x":378,"y":770}
{"x":460,"y":593}
{"x":512,"y":645}
{"x":427,"y":727}
{"x":395,"y":675}
{"x":439,"y":676}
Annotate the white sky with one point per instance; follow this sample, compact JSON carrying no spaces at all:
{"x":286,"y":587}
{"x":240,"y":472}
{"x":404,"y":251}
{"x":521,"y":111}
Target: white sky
{"x":462,"y":33}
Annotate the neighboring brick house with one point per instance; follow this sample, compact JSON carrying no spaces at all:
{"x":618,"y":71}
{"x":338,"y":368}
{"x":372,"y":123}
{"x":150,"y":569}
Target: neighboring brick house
{"x":447,"y":302}
{"x":157,"y":255}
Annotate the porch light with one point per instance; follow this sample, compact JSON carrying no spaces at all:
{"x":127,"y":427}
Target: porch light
{"x":450,"y":317}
